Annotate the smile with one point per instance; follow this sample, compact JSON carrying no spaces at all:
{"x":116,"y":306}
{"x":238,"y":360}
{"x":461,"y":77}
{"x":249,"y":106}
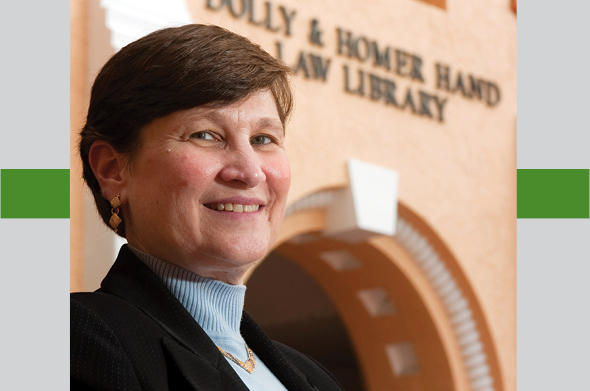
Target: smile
{"x":238,"y":208}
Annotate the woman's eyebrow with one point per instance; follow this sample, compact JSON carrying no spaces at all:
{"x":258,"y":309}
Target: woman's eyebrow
{"x":269,"y":122}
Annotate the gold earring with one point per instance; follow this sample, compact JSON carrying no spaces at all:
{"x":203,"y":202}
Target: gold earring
{"x":115,"y":219}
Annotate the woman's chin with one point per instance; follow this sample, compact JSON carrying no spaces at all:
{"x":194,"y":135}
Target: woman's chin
{"x":246,"y":248}
{"x":243,"y":259}
{"x":234,"y":256}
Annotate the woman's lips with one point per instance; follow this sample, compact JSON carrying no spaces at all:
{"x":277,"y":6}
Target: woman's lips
{"x":231,"y":207}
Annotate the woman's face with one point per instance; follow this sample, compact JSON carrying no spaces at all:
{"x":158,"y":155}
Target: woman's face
{"x":193,"y":166}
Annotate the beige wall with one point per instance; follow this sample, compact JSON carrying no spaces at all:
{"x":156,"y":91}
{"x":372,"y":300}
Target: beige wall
{"x":458,"y":175}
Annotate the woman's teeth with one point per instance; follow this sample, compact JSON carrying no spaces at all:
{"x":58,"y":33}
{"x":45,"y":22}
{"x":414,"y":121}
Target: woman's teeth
{"x":238,"y":208}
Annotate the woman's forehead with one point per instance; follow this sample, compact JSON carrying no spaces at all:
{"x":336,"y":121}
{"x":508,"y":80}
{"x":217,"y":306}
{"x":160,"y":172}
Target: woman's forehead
{"x":258,"y":110}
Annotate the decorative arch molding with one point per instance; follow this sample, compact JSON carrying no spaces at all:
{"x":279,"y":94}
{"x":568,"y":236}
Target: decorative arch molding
{"x":437,"y":275}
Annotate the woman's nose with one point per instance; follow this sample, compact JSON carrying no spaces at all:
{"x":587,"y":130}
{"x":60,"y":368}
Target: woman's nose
{"x":243,"y":166}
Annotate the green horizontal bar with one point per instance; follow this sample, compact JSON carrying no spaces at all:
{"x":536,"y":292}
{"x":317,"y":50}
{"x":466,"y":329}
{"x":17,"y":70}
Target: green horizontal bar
{"x":553,"y":193}
{"x":34,"y":194}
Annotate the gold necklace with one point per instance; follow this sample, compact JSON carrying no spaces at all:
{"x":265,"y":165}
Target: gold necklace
{"x":248,"y":365}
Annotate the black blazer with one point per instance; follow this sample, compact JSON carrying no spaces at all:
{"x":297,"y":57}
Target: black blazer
{"x":133,"y":334}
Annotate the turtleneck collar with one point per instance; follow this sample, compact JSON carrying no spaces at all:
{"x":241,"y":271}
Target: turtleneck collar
{"x":215,"y":305}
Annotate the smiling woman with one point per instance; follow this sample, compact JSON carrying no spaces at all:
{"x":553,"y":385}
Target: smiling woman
{"x":183,"y":149}
{"x":199,"y":159}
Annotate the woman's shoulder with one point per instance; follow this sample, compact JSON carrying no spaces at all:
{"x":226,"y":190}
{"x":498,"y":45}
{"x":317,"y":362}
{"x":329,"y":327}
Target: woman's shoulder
{"x":111,"y":312}
{"x":98,"y":305}
{"x":96,"y":300}
{"x":108,"y":332}
{"x":94,"y":343}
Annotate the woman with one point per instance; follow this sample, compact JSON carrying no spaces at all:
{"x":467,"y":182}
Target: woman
{"x":183,"y":150}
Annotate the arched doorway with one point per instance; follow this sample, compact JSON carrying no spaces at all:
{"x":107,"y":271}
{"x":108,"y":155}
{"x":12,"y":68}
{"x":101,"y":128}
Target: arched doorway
{"x":292,"y":308}
{"x":411,"y":315}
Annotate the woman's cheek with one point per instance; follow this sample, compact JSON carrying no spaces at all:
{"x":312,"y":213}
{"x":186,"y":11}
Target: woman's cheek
{"x":279,"y":172}
{"x":195,"y":171}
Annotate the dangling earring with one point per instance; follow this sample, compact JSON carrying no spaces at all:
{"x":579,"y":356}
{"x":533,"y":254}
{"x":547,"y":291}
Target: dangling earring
{"x":115,"y":219}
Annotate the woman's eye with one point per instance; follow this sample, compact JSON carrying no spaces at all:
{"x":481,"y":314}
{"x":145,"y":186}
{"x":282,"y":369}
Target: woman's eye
{"x":203,"y":136}
{"x":261,"y":140}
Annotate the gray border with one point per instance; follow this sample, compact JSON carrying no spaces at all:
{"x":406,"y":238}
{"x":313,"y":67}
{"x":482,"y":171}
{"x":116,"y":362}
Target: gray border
{"x":35,"y":252}
{"x":553,"y":254}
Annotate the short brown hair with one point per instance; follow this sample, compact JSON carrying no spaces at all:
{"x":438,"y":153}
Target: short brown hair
{"x":170,"y":70}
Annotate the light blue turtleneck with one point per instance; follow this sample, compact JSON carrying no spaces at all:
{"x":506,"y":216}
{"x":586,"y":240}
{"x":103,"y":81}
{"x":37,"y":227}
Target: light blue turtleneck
{"x":217,"y":307}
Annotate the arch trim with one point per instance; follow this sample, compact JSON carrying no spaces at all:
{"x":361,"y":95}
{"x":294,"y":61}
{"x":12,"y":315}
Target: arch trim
{"x":440,"y":269}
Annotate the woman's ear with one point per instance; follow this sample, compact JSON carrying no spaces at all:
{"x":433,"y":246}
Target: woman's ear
{"x":108,"y":167}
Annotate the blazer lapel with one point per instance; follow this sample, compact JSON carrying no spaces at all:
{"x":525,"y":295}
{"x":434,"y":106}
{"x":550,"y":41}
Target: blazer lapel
{"x":273,"y":358}
{"x":197,"y":373}
{"x":191,"y":350}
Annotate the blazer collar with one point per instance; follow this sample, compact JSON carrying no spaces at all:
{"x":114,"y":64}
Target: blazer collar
{"x":130,"y":279}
